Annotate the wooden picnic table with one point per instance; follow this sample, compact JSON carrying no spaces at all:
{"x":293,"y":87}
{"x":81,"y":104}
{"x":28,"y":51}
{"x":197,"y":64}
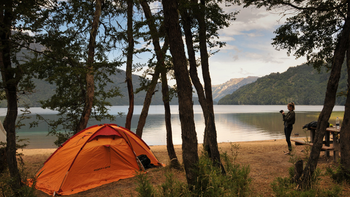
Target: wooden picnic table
{"x":336,"y":141}
{"x":328,"y":144}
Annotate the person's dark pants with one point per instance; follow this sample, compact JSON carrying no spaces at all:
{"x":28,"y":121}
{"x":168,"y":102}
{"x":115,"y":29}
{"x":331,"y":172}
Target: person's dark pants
{"x":287,"y":132}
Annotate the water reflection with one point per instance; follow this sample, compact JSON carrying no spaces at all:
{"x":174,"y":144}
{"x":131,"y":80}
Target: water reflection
{"x":232,"y":125}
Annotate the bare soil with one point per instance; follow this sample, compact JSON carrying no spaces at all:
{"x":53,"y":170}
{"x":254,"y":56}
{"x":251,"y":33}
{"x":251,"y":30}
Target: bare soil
{"x":266,"y":160}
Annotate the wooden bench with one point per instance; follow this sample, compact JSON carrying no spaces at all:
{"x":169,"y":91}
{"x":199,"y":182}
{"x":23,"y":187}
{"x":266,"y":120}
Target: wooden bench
{"x":301,"y":142}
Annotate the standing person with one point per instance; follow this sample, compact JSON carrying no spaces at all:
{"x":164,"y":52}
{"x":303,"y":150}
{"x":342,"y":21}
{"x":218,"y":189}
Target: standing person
{"x":289,"y":120}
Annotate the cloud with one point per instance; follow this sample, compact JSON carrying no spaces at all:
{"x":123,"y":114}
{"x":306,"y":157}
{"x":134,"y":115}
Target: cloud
{"x":248,"y":50}
{"x":250,"y":19}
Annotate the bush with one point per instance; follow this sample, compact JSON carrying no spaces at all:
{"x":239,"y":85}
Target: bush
{"x":6,"y":181}
{"x":286,"y":187}
{"x":339,"y":175}
{"x":144,"y":188}
{"x":210,"y":180}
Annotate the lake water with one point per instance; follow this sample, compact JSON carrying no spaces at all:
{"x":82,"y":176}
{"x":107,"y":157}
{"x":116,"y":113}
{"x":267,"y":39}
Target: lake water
{"x":234,"y":123}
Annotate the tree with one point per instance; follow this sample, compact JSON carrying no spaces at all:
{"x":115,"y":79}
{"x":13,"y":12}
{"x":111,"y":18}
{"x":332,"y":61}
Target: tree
{"x":174,"y":162}
{"x":130,"y":53}
{"x":189,"y":136}
{"x":201,"y":12}
{"x":79,"y":67}
{"x":160,"y":56}
{"x":344,"y":130}
{"x":16,"y":17}
{"x":320,"y":31}
{"x":160,"y":66}
{"x":90,"y":85}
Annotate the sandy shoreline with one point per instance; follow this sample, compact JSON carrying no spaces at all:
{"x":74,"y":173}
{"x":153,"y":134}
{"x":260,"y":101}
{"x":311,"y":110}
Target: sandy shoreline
{"x":40,"y":151}
{"x":265,"y":159}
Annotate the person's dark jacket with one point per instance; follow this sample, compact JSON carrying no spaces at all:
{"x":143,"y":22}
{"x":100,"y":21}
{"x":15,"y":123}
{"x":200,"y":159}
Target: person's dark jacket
{"x":289,"y":118}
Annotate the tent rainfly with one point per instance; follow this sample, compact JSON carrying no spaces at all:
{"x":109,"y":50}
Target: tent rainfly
{"x":95,"y":156}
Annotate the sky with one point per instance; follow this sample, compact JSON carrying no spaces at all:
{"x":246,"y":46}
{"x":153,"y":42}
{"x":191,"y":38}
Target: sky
{"x":248,"y":50}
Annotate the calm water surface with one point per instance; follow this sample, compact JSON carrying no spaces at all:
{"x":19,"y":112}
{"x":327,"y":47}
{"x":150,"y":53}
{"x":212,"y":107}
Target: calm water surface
{"x":234,"y":123}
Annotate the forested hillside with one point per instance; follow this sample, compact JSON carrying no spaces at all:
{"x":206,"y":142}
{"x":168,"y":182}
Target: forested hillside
{"x":302,"y":85}
{"x":44,"y":90}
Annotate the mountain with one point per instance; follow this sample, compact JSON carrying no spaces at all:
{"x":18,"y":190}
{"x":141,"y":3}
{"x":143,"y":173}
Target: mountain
{"x":229,"y":87}
{"x":302,"y":85}
{"x":45,"y":90}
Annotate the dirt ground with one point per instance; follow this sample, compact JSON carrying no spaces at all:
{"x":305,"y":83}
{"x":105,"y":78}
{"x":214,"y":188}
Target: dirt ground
{"x":265,"y":158}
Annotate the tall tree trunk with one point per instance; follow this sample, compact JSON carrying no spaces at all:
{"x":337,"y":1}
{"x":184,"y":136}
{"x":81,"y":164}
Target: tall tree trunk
{"x":90,"y":86}
{"x":160,"y":53}
{"x":146,"y":103}
{"x":193,"y":65}
{"x":174,"y":162}
{"x":9,"y":126}
{"x":10,"y":79}
{"x":130,"y":53}
{"x":210,"y":136}
{"x":322,"y":124}
{"x":160,"y":62}
{"x":189,"y":135}
{"x":344,"y":131}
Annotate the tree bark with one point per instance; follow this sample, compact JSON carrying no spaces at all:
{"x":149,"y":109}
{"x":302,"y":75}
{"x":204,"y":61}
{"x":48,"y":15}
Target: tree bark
{"x":322,"y":124}
{"x":160,"y":53}
{"x":90,"y":86}
{"x":10,"y":79}
{"x":193,"y":65}
{"x":298,"y":170}
{"x":3,"y":162}
{"x":344,"y":130}
{"x":210,"y":136}
{"x":189,"y":136}
{"x":160,"y":63}
{"x":129,"y":60}
{"x":174,"y":162}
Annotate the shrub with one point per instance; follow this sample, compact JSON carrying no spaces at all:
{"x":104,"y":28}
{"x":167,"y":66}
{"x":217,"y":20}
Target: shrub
{"x":211,"y":181}
{"x":285,"y":187}
{"x":340,"y":174}
{"x":144,"y":188}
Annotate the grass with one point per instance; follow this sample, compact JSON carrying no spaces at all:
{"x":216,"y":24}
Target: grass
{"x":265,"y":159}
{"x":211,"y":182}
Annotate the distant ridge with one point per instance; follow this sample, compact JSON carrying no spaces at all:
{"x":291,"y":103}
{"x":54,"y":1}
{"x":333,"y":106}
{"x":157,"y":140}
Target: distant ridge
{"x":230,"y":86}
{"x":45,"y":90}
{"x":302,"y":85}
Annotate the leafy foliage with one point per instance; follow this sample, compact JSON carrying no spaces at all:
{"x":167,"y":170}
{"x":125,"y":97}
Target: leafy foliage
{"x":285,"y":187}
{"x":340,"y":174}
{"x":312,"y":31}
{"x":302,"y":85}
{"x":210,"y":182}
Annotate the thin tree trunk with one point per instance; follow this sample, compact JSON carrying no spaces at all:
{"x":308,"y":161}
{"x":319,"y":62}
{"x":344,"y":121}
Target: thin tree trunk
{"x":344,"y":131}
{"x":174,"y":162}
{"x":90,"y":87}
{"x":160,"y":61}
{"x":193,"y":65}
{"x":189,"y":135}
{"x":146,"y":103}
{"x":210,"y":136}
{"x":10,"y":81}
{"x":160,"y":53}
{"x":9,"y":126}
{"x":128,"y":79}
{"x":322,"y":124}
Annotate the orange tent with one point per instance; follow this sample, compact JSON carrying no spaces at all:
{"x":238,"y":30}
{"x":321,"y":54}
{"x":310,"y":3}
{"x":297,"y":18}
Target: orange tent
{"x":95,"y":156}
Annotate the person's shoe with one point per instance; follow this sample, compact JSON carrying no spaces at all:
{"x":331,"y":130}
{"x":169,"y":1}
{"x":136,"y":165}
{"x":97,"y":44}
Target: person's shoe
{"x":287,"y":153}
